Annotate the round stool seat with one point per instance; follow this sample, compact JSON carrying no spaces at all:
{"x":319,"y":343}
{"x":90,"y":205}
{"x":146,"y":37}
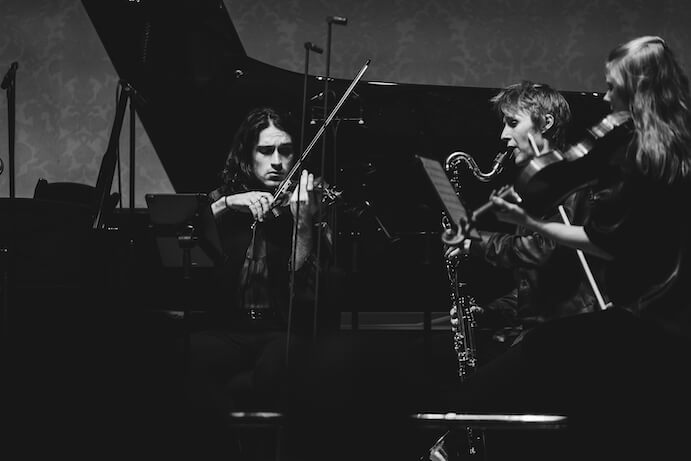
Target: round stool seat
{"x":491,"y":421}
{"x":256,"y":418}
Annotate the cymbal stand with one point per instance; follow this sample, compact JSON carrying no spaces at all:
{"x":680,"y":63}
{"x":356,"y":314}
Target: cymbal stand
{"x":9,"y":84}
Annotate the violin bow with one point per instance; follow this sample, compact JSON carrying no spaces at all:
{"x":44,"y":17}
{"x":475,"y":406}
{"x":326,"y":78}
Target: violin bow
{"x":586,"y":268}
{"x":286,"y":183}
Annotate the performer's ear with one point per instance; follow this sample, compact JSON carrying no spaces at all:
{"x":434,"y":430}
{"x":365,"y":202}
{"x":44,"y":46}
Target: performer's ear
{"x":549,"y":123}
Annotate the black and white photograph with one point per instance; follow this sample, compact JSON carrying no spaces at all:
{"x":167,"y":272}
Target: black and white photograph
{"x":345,"y":230}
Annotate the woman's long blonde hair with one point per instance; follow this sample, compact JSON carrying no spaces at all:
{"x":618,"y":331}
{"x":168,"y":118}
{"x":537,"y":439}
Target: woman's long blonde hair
{"x":649,"y":78}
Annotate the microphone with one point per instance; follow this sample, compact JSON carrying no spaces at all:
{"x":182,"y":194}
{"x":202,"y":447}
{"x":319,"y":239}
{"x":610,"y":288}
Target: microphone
{"x":9,"y":75}
{"x":340,"y":20}
{"x":312,"y":47}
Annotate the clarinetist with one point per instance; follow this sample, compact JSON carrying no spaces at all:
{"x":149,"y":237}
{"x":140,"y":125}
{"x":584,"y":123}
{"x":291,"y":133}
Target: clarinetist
{"x":549,"y":281}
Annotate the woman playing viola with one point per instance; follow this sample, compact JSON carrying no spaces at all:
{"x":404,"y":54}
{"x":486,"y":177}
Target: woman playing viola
{"x":631,"y":226}
{"x":615,"y":371}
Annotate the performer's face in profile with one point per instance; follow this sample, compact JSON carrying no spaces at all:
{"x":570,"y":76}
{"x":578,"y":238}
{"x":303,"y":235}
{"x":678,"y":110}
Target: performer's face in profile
{"x":614,"y":95}
{"x":517,"y":126}
{"x":273,"y":156}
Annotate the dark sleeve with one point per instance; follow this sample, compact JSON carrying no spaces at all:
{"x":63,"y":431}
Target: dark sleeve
{"x":215,"y":194}
{"x":511,"y":251}
{"x":526,"y":250}
{"x":501,"y":312}
{"x":305,"y":281}
{"x":617,"y":205}
{"x":305,"y":277}
{"x":315,"y":267}
{"x":623,"y":217}
{"x":634,"y":224}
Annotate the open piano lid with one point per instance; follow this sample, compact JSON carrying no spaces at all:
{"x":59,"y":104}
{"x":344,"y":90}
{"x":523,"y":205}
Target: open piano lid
{"x":196,"y":83}
{"x":185,"y":59}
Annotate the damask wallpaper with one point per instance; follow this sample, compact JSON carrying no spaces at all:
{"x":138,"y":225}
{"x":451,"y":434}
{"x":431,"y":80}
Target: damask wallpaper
{"x":485,"y":43}
{"x":65,"y":101}
{"x":66,"y":84}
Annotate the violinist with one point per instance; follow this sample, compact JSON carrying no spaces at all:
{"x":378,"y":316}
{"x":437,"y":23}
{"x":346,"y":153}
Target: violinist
{"x":549,"y":281}
{"x":619,"y":373}
{"x":239,"y":359}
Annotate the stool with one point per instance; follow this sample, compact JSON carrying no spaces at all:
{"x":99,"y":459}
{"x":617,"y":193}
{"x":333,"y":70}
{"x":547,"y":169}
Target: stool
{"x":260,"y":420}
{"x":492,"y":421}
{"x":464,"y":434}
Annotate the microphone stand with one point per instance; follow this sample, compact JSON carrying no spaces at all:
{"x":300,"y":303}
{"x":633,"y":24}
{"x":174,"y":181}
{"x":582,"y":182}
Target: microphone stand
{"x":286,"y":183}
{"x":330,"y":20}
{"x":9,"y":84}
{"x":325,"y":94}
{"x":132,"y":145}
{"x":308,"y":47}
{"x":131,"y":213}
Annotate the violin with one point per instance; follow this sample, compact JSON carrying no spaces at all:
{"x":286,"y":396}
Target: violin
{"x":549,"y":177}
{"x":327,"y":194}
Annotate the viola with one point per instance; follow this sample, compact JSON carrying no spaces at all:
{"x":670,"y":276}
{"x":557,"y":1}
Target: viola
{"x":551,"y":177}
{"x":548,"y":178}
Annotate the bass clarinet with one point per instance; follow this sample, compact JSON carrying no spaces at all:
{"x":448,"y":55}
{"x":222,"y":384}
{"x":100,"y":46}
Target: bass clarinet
{"x":463,"y":307}
{"x":463,"y":304}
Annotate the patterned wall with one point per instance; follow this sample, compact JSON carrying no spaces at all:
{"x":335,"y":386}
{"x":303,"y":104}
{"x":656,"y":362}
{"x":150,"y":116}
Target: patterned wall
{"x":485,"y":43}
{"x":65,"y":101}
{"x":66,"y":84}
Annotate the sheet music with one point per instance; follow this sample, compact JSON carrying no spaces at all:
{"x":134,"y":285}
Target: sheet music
{"x":452,"y":204}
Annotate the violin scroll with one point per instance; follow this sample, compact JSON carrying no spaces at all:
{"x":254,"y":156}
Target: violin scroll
{"x":330,"y":194}
{"x":327,"y":194}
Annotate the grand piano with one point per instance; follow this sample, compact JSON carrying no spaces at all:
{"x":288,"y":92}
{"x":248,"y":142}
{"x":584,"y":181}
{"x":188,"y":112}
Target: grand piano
{"x":194,"y":82}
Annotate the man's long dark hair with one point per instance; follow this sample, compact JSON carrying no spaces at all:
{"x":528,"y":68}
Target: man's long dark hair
{"x":238,"y":173}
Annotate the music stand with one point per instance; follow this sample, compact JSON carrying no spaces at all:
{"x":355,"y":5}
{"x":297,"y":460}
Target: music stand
{"x":186,"y":236}
{"x":453,"y":207}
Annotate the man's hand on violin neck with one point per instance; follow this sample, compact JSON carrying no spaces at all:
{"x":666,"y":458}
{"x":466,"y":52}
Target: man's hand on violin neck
{"x":303,"y":202}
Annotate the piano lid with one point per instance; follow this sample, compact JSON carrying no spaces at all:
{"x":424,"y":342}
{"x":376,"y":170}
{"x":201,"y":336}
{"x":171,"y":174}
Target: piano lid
{"x":196,"y":83}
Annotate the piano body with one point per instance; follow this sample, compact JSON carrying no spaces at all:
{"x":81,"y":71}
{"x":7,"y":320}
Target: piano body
{"x":194,"y":83}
